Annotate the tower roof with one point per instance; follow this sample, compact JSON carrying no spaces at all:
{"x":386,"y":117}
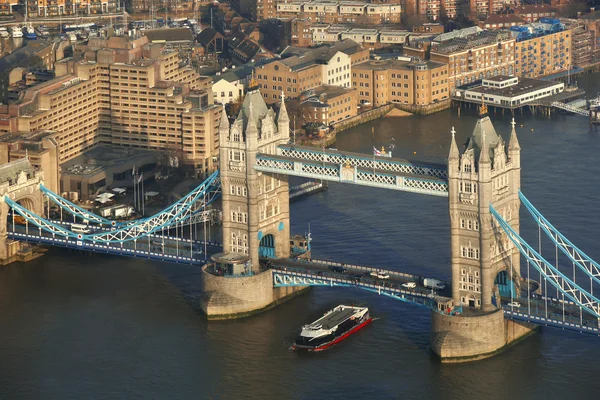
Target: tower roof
{"x":484,"y":124}
{"x":259,"y":108}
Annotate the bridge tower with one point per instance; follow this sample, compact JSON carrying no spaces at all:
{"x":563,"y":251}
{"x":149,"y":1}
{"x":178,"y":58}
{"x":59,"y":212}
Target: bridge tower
{"x":255,"y":205}
{"x":20,"y":182}
{"x":255,"y":214}
{"x":486,"y":172}
{"x":482,"y":256}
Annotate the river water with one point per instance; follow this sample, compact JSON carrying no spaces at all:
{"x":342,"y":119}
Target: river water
{"x":99,"y":327}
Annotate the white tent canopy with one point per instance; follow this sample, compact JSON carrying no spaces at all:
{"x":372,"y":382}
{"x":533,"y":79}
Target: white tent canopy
{"x":150,"y":194}
{"x":119,"y":190}
{"x":104,"y":197}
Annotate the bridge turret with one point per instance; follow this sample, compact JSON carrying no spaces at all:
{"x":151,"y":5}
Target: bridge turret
{"x":224,"y":124}
{"x":283,"y":120}
{"x":514,"y":149}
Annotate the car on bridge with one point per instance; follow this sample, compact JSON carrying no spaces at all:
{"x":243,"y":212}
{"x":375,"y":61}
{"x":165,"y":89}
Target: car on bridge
{"x":338,"y":269}
{"x":409,"y":285}
{"x":514,"y":304}
{"x":380,"y":275}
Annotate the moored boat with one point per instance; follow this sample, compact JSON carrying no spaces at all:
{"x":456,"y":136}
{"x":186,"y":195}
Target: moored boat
{"x":333,"y":327}
{"x":16,"y":32}
{"x":29,"y":32}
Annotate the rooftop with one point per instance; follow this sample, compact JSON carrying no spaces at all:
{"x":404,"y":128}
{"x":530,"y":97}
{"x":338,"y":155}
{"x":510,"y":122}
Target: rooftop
{"x":380,"y":65}
{"x":524,"y":86}
{"x":101,"y":157}
{"x":169,"y":35}
{"x":12,"y":170}
{"x":481,"y":38}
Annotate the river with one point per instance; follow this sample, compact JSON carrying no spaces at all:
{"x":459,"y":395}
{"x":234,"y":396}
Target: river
{"x":100,"y":327}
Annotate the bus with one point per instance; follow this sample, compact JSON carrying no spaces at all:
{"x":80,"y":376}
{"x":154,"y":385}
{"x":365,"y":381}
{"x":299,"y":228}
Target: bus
{"x":78,"y":228}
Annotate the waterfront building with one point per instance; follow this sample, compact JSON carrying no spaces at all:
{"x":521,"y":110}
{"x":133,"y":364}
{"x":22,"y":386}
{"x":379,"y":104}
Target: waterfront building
{"x":541,"y":48}
{"x":509,"y":91}
{"x":583,"y":41}
{"x":402,"y":81}
{"x":474,"y":56}
{"x":328,"y":104}
{"x":127,"y":94}
{"x":6,"y":6}
{"x":302,"y":69}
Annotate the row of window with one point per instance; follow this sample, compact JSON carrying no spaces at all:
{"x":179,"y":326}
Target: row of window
{"x":240,"y":217}
{"x":469,"y":252}
{"x":470,"y":224}
{"x":238,"y":190}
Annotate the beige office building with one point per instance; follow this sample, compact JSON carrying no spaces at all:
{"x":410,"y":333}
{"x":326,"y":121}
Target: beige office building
{"x":122,"y":93}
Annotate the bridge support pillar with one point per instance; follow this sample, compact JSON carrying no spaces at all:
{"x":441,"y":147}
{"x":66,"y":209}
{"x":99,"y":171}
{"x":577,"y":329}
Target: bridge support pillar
{"x":465,"y":338}
{"x":226,"y":297}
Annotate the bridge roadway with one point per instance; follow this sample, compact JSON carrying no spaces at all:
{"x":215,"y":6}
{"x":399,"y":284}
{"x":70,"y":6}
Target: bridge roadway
{"x":568,"y":318}
{"x":360,"y":274}
{"x":154,"y":247}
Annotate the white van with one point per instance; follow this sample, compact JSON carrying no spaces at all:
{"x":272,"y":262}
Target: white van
{"x":78,"y":228}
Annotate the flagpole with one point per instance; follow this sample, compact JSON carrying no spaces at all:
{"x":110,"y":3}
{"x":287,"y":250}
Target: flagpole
{"x":143,"y":196}
{"x":133,"y":175}
{"x":373,"y":143}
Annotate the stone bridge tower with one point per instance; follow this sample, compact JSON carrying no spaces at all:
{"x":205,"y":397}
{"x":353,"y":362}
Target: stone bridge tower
{"x":482,"y":255}
{"x":255,"y":205}
{"x":20,"y":182}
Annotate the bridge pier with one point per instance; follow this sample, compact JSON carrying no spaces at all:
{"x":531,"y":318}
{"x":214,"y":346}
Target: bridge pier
{"x":464,"y":338}
{"x":226,"y":297}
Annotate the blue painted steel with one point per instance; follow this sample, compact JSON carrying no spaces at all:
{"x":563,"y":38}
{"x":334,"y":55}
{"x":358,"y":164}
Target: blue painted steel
{"x":101,"y":248}
{"x":550,"y":231}
{"x":267,"y":246}
{"x":526,"y":249}
{"x":136,"y":230}
{"x":75,"y":209}
{"x":505,"y":285}
{"x":512,"y":314}
{"x":302,"y":278}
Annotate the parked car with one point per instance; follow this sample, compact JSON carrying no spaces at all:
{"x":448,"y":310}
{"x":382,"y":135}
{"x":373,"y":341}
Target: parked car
{"x":380,"y":275}
{"x":409,"y":285}
{"x":356,"y":277}
{"x":514,"y":304}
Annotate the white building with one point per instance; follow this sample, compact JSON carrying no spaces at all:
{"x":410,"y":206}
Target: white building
{"x":337,"y":70}
{"x":510,"y":91}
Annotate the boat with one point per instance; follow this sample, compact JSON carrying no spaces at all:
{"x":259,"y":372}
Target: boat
{"x":29,"y":32}
{"x":333,"y":327}
{"x":4,"y":32}
{"x":16,"y":32}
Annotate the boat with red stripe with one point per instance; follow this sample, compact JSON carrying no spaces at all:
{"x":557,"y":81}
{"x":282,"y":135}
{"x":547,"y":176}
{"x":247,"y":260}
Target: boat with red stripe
{"x":333,"y":327}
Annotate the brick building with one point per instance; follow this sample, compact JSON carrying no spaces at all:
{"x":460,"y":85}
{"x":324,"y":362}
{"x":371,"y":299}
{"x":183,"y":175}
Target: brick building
{"x":419,"y":83}
{"x":476,"y":56}
{"x":327,"y":104}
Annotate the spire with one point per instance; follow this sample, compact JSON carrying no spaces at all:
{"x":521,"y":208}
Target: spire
{"x":283,"y":114}
{"x":251,"y":126}
{"x":453,"y":147}
{"x":513,"y":143}
{"x":224,"y":124}
{"x":484,"y":157}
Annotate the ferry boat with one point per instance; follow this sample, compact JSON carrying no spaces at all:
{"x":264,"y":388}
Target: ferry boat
{"x":333,"y":327}
{"x":16,"y":32}
{"x":29,"y":32}
{"x":4,"y":32}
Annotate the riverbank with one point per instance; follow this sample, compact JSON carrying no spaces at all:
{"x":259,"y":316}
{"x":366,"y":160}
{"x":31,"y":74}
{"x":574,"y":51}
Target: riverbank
{"x":394,"y":110}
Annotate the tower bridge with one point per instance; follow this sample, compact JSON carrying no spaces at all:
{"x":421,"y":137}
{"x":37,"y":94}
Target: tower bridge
{"x":491,"y":287}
